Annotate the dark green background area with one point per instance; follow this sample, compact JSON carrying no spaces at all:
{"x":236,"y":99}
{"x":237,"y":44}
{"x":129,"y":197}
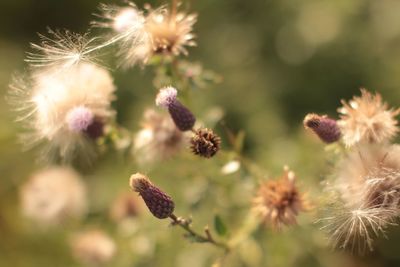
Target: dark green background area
{"x":279,"y":60}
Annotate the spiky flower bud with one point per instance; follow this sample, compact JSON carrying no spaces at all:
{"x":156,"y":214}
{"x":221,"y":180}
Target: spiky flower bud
{"x":205,"y":143}
{"x":181,"y":115}
{"x":159,"y":203}
{"x":325,"y":127}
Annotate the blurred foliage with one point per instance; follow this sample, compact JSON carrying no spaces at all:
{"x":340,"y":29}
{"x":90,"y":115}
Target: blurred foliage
{"x":278,"y":60}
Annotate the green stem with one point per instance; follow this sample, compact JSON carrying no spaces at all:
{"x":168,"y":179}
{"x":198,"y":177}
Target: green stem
{"x":202,"y":238}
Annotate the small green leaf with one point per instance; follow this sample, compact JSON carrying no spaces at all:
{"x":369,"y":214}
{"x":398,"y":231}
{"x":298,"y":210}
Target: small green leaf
{"x":219,"y":226}
{"x":239,"y":141}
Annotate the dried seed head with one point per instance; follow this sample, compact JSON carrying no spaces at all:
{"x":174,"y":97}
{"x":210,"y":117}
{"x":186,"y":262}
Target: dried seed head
{"x":159,"y":203}
{"x":367,"y":119}
{"x":125,"y":206}
{"x":205,"y":143}
{"x":59,"y":105}
{"x":366,"y":197}
{"x":141,"y":35}
{"x":159,"y":138}
{"x":278,"y":202}
{"x":53,"y":196}
{"x":325,"y":127}
{"x":93,"y":247}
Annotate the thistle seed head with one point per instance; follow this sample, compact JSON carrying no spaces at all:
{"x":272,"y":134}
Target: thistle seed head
{"x":323,"y":126}
{"x":278,"y":202}
{"x":158,"y":139}
{"x":205,"y":143}
{"x":159,"y":203}
{"x":93,"y":247}
{"x":367,"y":119}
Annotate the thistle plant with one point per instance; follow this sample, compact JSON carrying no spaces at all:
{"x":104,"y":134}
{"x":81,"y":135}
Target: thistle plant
{"x":66,"y":103}
{"x":364,"y":185}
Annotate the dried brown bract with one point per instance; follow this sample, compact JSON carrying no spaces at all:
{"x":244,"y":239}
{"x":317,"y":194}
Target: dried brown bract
{"x":205,"y":143}
{"x":278,"y":202}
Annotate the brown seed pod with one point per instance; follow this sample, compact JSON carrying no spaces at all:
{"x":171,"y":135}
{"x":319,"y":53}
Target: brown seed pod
{"x":205,"y":143}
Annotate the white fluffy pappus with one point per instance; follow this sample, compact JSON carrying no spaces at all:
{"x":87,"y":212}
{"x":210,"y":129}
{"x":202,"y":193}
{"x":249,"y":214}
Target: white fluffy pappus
{"x":166,"y":96}
{"x":53,"y":195}
{"x":366,"y":197}
{"x":367,"y":119}
{"x":93,"y":247}
{"x":158,"y":139}
{"x":140,"y":36}
{"x":62,"y":108}
{"x":62,"y":49}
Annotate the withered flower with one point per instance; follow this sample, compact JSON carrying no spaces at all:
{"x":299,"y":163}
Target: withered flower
{"x":205,"y":143}
{"x":158,"y":139}
{"x":367,"y":119}
{"x":125,"y":206}
{"x":93,"y":247}
{"x":141,"y":35}
{"x":278,"y":202}
{"x":367,"y":197}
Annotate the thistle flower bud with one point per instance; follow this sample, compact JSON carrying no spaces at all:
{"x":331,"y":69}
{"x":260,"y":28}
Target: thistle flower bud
{"x":325,"y":127}
{"x":159,"y":203}
{"x":205,"y":143}
{"x":95,"y":129}
{"x":181,"y":115}
{"x":166,"y":96}
{"x":79,"y":118}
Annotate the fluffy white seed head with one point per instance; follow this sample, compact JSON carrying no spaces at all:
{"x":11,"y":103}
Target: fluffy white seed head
{"x":93,"y":247}
{"x":58,"y":105}
{"x":166,"y":96}
{"x":62,"y":49}
{"x":362,"y":165}
{"x":366,"y":196}
{"x":367,"y":119}
{"x":356,"y":228}
{"x":140,"y":36}
{"x":158,"y":139}
{"x":126,"y":19}
{"x":53,"y":195}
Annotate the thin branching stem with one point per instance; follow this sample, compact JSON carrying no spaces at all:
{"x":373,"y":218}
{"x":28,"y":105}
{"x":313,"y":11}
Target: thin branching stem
{"x":174,"y":7}
{"x":201,"y":238}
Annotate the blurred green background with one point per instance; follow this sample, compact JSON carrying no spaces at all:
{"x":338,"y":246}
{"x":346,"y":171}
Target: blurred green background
{"x":279,"y":60}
